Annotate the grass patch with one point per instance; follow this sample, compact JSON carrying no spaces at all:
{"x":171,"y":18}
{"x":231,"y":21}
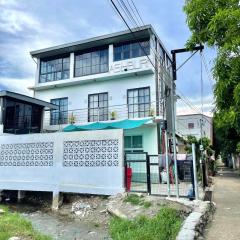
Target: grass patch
{"x":164,"y":226}
{"x":12,"y":224}
{"x":147,"y":204}
{"x":134,"y":199}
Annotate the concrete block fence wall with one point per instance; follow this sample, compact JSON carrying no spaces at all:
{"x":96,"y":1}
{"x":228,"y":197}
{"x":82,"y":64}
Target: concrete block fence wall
{"x":77,"y":162}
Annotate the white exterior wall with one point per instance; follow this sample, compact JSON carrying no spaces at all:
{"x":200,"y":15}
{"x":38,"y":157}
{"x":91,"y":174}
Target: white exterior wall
{"x":182,"y":126}
{"x":63,"y":162}
{"x":117,"y":95}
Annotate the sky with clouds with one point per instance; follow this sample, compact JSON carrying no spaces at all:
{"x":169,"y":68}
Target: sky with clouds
{"x":27,"y":25}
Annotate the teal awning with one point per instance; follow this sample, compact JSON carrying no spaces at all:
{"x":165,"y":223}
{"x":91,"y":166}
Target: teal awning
{"x":123,"y":124}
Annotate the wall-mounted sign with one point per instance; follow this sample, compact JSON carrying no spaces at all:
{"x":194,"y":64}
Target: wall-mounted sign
{"x":129,"y":65}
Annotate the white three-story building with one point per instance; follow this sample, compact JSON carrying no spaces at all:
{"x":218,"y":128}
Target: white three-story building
{"x":107,"y":79}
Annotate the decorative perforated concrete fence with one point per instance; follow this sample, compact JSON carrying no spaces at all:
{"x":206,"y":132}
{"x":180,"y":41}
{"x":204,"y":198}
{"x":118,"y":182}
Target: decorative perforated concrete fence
{"x":79,"y":162}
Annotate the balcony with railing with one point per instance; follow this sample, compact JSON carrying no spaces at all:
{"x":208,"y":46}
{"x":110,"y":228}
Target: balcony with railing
{"x":57,"y":120}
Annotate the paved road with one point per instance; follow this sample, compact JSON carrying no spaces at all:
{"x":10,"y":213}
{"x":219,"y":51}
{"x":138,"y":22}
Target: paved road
{"x":226,"y":222}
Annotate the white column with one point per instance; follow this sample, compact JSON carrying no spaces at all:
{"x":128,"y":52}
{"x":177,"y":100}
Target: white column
{"x":21,"y":195}
{"x":37,"y":73}
{"x":71,"y":74}
{"x":1,"y":129}
{"x":1,"y":116}
{"x":56,"y":200}
{"x":110,"y":56}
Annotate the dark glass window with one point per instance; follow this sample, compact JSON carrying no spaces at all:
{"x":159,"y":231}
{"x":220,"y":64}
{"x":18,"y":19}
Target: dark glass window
{"x":54,"y":69}
{"x":190,"y":125}
{"x":162,"y":55}
{"x":138,"y":102}
{"x":133,"y":143}
{"x":59,"y":116}
{"x":21,"y":117}
{"x":91,"y":63}
{"x":131,"y":50}
{"x":98,"y":107}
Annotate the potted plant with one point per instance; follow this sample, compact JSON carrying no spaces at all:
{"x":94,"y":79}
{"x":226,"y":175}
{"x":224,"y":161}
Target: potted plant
{"x":151,"y":112}
{"x":113,"y":115}
{"x":72,"y":118}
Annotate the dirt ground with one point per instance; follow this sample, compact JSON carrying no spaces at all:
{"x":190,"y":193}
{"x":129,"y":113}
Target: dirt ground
{"x":225,"y":224}
{"x":129,"y":211}
{"x":86,"y":217}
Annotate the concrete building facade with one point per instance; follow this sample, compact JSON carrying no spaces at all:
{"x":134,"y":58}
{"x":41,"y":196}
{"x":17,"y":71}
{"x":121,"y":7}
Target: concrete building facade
{"x":190,"y":124}
{"x":107,"y":78}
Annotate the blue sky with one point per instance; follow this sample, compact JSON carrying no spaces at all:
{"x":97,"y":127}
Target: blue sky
{"x":27,"y":25}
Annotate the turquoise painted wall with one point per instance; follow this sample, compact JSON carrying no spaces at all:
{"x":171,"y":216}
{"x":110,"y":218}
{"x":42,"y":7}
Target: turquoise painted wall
{"x":149,"y":134}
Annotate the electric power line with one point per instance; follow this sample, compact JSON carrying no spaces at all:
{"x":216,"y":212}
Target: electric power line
{"x":210,"y":79}
{"x":128,"y":14}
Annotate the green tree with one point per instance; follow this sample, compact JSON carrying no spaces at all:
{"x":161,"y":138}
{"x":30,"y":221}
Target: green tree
{"x":205,"y":142}
{"x":217,"y":24}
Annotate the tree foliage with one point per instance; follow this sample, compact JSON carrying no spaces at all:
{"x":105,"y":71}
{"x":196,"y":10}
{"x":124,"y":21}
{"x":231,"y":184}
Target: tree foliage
{"x":205,"y":142}
{"x":217,"y":24}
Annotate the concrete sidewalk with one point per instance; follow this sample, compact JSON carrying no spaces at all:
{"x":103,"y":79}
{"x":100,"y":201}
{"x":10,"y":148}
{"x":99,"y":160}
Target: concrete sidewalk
{"x":226,"y":221}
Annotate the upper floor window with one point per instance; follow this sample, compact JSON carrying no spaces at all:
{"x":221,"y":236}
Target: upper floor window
{"x":190,"y":125}
{"x":131,"y":50}
{"x":91,"y":62}
{"x":54,"y":69}
{"x":98,"y":107}
{"x":138,"y":102}
{"x":59,"y":116}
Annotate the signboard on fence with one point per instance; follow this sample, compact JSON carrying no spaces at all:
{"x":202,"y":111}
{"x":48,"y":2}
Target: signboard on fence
{"x":82,"y":162}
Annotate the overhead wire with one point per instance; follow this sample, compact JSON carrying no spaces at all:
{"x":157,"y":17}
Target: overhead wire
{"x":136,"y":22}
{"x":210,"y":79}
{"x":182,"y":64}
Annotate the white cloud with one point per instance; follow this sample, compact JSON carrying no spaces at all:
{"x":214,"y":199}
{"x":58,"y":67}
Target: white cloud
{"x":15,"y":20}
{"x":17,"y":85}
{"x":8,"y":3}
{"x":195,"y":105}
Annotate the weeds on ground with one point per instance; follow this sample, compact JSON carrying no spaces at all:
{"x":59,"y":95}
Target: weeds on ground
{"x":134,"y":199}
{"x":12,"y":224}
{"x":164,"y":226}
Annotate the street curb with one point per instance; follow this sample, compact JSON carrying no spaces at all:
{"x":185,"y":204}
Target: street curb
{"x":194,"y":225}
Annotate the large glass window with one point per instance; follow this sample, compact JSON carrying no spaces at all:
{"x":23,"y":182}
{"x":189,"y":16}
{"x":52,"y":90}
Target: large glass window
{"x":133,"y":143}
{"x":131,"y":50}
{"x":98,"y":107}
{"x":21,"y":117}
{"x":138,"y":102}
{"x":91,"y":63}
{"x":54,"y":69}
{"x":59,"y":116}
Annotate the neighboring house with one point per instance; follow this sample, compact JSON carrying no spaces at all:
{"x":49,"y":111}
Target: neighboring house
{"x":190,"y":124}
{"x":20,"y":114}
{"x":106,"y":78}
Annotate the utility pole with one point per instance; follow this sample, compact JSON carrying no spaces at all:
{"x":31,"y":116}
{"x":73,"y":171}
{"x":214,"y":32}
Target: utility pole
{"x":174,"y":138}
{"x":167,"y":162}
{"x":195,"y":187}
{"x":174,"y":73}
{"x":182,"y":50}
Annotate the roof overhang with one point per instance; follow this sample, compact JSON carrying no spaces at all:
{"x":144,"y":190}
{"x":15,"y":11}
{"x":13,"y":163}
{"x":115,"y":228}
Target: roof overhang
{"x":28,"y":99}
{"x":122,"y":36}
